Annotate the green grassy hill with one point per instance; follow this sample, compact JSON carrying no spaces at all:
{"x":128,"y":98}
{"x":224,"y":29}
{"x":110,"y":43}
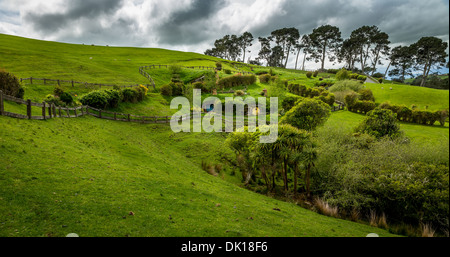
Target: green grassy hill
{"x":102,"y":178}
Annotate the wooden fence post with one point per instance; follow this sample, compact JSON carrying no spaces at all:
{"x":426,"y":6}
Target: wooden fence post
{"x":31,"y":80}
{"x":115,"y":116}
{"x":2,"y":107}
{"x":29,"y":109}
{"x":43,"y":110}
{"x":59,"y":110}
{"x":129,"y":117}
{"x":54,"y":110}
{"x":50,"y":111}
{"x":72,"y":82}
{"x":100,"y":114}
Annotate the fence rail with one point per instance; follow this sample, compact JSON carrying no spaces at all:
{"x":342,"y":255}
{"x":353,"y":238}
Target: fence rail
{"x":51,"y":111}
{"x":72,"y":82}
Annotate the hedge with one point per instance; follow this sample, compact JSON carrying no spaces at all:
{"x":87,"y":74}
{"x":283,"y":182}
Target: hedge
{"x":424,"y":117}
{"x":236,"y":81}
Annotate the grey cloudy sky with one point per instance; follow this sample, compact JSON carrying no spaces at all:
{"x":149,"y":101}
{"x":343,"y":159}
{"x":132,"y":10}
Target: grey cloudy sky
{"x":193,"y":25}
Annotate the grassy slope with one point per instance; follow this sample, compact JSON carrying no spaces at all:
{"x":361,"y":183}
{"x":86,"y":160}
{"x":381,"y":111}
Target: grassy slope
{"x":435,"y":99}
{"x":86,"y":175}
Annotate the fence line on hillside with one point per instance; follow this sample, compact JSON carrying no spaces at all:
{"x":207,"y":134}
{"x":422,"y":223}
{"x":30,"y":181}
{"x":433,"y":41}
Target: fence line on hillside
{"x":50,"y":111}
{"x":159,"y":66}
{"x":59,"y":82}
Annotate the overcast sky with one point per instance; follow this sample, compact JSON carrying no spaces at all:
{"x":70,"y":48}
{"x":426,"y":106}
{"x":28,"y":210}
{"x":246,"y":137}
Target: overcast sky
{"x":194,"y":25}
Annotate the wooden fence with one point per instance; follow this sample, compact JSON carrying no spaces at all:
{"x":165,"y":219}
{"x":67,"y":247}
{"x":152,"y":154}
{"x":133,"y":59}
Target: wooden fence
{"x":51,"y":111}
{"x":59,"y":82}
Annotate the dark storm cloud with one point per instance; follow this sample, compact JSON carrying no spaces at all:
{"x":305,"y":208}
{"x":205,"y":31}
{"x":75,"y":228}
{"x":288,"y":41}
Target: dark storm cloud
{"x":190,"y":26}
{"x":76,"y":9}
{"x":404,"y":20}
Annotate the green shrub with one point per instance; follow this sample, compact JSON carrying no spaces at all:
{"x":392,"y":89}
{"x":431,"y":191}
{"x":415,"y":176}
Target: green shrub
{"x":309,"y":74}
{"x":10,"y":85}
{"x":129,"y":95}
{"x":177,"y":88}
{"x":165,"y":90}
{"x":239,"y":93}
{"x":366,"y":95}
{"x":380,"y":80}
{"x":343,"y":74}
{"x":51,"y":99}
{"x":362,"y":78}
{"x":141,"y":92}
{"x":227,"y":71}
{"x":315,"y":74}
{"x":66,"y":98}
{"x":350,"y":100}
{"x":58,"y":91}
{"x":265,"y":78}
{"x":307,"y":114}
{"x":294,"y":89}
{"x":290,"y":102}
{"x":175,"y":69}
{"x":363,"y":106}
{"x":97,"y":99}
{"x":114,"y":97}
{"x":442,"y":116}
{"x":236,"y":81}
{"x":380,"y":123}
{"x":218,"y":65}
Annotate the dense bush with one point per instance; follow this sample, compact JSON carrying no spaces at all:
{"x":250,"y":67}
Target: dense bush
{"x":362,"y":78}
{"x":236,"y":81}
{"x":227,"y":71}
{"x":317,"y":93}
{"x":239,"y":93}
{"x":166,"y":90}
{"x":366,"y":95}
{"x":218,"y":65}
{"x":424,"y":117}
{"x":10,"y":85}
{"x":307,"y":114}
{"x":97,"y":99}
{"x":333,"y":71}
{"x":315,"y":74}
{"x":345,"y":85}
{"x":114,"y":97}
{"x":350,"y":99}
{"x":58,"y":91}
{"x":66,"y":98}
{"x":265,"y":78}
{"x":380,"y":123}
{"x":363,"y":106}
{"x":407,"y":182}
{"x":309,"y":74}
{"x":290,"y":102}
{"x":343,"y":74}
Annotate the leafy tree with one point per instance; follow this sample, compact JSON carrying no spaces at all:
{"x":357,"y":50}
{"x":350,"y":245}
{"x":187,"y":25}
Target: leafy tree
{"x":10,"y":84}
{"x":286,"y":38}
{"x":307,"y":46}
{"x":326,"y":41}
{"x":381,"y":48}
{"x":348,"y":53}
{"x":402,"y":61}
{"x":429,"y":52}
{"x":266,"y":51}
{"x":307,"y":114}
{"x":380,"y":123}
{"x":245,"y":41}
{"x":371,"y":44}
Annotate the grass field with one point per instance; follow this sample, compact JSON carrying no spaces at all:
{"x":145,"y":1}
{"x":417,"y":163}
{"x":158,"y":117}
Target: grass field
{"x":96,"y":177}
{"x":100,"y":178}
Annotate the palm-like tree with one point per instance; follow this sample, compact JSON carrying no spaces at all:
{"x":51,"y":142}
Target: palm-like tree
{"x":309,"y":157}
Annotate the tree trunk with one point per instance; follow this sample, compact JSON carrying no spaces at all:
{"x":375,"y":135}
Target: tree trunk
{"x":285,"y":176}
{"x":375,"y":63}
{"x":296,"y":59}
{"x":295,"y":178}
{"x":323,"y":56}
{"x":304,"y":59}
{"x":385,"y":74}
{"x":307,"y":178}
{"x":424,"y":76}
